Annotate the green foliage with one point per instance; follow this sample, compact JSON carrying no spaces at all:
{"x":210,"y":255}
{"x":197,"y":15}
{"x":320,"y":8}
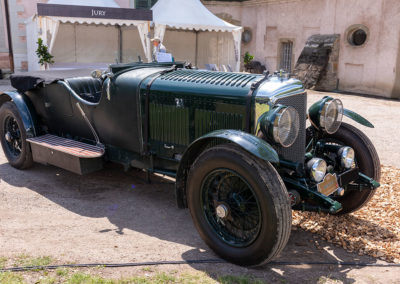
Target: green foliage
{"x":43,"y":53}
{"x":248,"y":57}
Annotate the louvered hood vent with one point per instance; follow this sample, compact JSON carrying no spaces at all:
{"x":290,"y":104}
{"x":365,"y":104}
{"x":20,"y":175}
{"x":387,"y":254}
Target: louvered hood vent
{"x":210,"y":78}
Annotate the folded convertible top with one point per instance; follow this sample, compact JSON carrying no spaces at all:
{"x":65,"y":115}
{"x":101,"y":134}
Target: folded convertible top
{"x":25,"y":81}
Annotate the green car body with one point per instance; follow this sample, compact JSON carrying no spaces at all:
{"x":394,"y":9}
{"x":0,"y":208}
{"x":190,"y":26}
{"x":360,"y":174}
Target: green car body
{"x":161,"y":118}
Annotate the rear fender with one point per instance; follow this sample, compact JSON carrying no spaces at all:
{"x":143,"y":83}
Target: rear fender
{"x":25,"y":108}
{"x":253,"y":145}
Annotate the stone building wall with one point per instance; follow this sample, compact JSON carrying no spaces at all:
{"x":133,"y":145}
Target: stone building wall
{"x":368,"y":69}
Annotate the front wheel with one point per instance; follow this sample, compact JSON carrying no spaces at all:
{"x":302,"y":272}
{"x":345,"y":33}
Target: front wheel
{"x":367,"y":161}
{"x":13,"y":137}
{"x":239,"y":205}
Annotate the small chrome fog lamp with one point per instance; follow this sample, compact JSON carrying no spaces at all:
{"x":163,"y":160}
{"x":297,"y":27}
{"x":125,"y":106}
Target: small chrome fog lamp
{"x":317,"y":169}
{"x":327,"y":114}
{"x":346,"y":155}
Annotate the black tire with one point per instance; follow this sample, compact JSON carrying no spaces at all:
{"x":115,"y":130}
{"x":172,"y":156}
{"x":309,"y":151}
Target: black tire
{"x":268,"y":191}
{"x":23,"y":159}
{"x":367,"y":160}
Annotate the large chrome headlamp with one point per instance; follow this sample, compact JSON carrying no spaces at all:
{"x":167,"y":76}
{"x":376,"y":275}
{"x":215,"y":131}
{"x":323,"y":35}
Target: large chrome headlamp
{"x":327,"y":114}
{"x":281,"y":125}
{"x":317,"y":169}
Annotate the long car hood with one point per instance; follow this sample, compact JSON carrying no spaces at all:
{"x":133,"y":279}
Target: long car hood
{"x":275,"y":88}
{"x":220,"y":85}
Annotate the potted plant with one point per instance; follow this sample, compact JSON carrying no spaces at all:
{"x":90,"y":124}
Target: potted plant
{"x":45,"y":58}
{"x":247,"y":59}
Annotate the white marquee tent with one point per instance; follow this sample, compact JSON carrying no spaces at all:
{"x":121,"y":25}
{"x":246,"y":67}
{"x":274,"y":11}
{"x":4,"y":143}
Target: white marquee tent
{"x":83,"y":40}
{"x":192,"y":15}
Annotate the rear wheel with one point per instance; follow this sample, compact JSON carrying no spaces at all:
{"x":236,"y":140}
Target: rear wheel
{"x":239,"y":205}
{"x":13,"y":137}
{"x":366,"y":159}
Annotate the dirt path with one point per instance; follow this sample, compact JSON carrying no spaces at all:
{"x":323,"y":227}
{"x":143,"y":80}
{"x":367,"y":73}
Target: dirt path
{"x":115,"y":217}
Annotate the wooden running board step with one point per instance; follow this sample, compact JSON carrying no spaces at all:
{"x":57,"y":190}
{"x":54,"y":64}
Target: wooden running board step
{"x":65,"y":153}
{"x":68,"y":146}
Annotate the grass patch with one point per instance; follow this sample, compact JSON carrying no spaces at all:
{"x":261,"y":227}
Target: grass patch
{"x":48,"y":280}
{"x":148,"y":269}
{"x":232,"y":279}
{"x":11,"y":278}
{"x":327,"y":280}
{"x":82,"y":278}
{"x":63,"y":275}
{"x":62,"y":272}
{"x":26,"y":260}
{"x":201,"y":278}
{"x":3,"y":261}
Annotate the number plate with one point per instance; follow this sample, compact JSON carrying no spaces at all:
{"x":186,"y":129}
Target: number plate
{"x":329,"y":185}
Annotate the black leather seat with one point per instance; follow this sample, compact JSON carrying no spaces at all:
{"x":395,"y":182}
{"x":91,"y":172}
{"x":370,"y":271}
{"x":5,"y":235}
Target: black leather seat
{"x":87,"y":88}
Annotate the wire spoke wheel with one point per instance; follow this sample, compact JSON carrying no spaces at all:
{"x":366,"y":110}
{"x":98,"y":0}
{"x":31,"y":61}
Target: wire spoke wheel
{"x":231,"y":207}
{"x":239,"y":205}
{"x":13,"y":136}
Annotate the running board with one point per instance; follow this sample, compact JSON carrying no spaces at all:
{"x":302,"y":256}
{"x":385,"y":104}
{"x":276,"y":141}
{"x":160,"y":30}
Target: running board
{"x":71,"y":155}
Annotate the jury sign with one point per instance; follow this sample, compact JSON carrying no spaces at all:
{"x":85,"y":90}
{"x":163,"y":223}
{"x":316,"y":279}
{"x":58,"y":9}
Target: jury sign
{"x":98,"y":13}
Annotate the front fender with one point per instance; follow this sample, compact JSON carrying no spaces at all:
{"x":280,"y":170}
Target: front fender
{"x":25,"y":108}
{"x":250,"y":143}
{"x":358,"y":118}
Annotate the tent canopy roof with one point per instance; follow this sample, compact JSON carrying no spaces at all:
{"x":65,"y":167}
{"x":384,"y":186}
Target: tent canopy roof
{"x":72,"y":16}
{"x":188,"y":14}
{"x":96,"y":21}
{"x":94,"y":3}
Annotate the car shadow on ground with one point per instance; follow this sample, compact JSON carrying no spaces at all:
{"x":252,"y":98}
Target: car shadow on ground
{"x":129,"y":202}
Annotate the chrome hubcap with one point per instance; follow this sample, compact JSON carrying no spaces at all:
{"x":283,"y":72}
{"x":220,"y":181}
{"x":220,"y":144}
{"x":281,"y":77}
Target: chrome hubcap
{"x":8,"y":137}
{"x":222,"y":211}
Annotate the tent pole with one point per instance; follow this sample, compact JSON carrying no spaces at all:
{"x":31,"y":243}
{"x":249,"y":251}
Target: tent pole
{"x":196,"y":48}
{"x":119,"y":43}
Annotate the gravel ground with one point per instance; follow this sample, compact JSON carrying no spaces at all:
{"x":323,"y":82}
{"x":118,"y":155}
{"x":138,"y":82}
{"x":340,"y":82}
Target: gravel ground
{"x":114,"y":217}
{"x":111,"y":216}
{"x":373,"y":230}
{"x":382,"y":113}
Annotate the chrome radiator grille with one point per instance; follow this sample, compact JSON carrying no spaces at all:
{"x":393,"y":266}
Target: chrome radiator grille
{"x":296,"y":152}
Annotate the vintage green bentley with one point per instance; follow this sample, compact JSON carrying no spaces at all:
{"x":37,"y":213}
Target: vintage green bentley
{"x":237,"y":144}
